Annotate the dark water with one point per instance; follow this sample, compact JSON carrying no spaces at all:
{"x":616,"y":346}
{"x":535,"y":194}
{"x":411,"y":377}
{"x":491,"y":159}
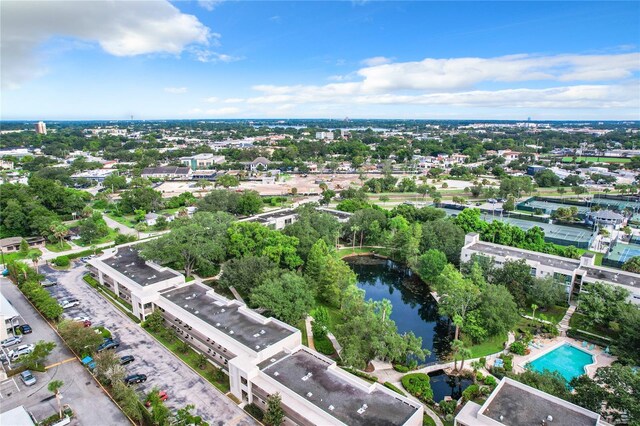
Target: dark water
{"x":443,"y":385}
{"x":413,"y":307}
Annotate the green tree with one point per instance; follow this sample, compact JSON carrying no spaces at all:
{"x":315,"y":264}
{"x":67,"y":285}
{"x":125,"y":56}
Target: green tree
{"x":497,"y":310}
{"x":36,"y":358}
{"x":54,"y":387}
{"x":184,"y":417}
{"x":628,"y":343}
{"x":159,"y":412}
{"x":24,"y":247}
{"x":227,"y":181}
{"x":546,"y":292}
{"x":444,"y":235}
{"x":247,"y":238}
{"x":546,"y":178}
{"x":143,"y":198}
{"x":431,"y":264}
{"x":274,"y":416}
{"x":515,"y":275}
{"x":191,"y":242}
{"x":602,"y":303}
{"x":82,"y":340}
{"x":458,"y":295}
{"x":247,"y":273}
{"x":128,"y":400}
{"x":509,"y":205}
{"x":108,"y":369}
{"x":287,"y":297}
{"x":154,"y":321}
{"x":632,"y":265}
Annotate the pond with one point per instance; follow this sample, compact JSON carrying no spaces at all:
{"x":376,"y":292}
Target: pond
{"x":444,"y":385}
{"x":414,"y":309}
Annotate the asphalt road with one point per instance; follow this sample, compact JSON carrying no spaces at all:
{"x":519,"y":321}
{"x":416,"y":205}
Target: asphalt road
{"x":91,"y":405}
{"x":163,"y":369}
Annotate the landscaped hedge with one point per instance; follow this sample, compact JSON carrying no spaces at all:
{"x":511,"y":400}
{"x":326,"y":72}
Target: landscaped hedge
{"x":394,"y":388}
{"x":42,"y":300}
{"x":255,"y":411}
{"x":579,"y":335}
{"x":360,"y":374}
{"x":518,"y":348}
{"x":472,"y":392}
{"x":401,"y":368}
{"x":324,"y":345}
{"x":61,"y":261}
{"x":418,"y":385}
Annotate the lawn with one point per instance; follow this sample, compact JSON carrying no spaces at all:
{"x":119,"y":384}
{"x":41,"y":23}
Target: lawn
{"x":492,"y":345}
{"x":334,"y":315}
{"x":124,"y":220}
{"x":8,"y":257}
{"x":596,"y":160}
{"x":580,"y":322}
{"x":345,"y":251}
{"x":303,"y":329}
{"x":106,"y":239}
{"x":55,"y":247}
{"x":553,"y":314}
{"x":212,"y":374}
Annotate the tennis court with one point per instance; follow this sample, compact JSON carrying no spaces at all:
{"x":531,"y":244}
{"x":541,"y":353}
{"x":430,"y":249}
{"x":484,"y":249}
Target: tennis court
{"x":619,"y":205}
{"x":620,"y":253}
{"x":549,"y":207}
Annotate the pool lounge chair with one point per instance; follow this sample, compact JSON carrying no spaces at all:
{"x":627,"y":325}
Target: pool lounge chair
{"x":591,"y":347}
{"x":584,"y":343}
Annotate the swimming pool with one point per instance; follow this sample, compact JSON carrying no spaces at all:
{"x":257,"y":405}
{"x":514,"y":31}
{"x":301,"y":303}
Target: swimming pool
{"x":567,"y":360}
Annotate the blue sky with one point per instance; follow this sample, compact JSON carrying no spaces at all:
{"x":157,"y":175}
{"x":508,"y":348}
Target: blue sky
{"x":372,"y":59}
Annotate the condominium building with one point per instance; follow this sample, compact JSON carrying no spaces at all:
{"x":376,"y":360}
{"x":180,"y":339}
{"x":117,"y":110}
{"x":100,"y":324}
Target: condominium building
{"x":574,"y":273}
{"x":515,"y":404}
{"x":41,"y":128}
{"x":262,"y":356}
{"x":278,"y":219}
{"x":202,"y":161}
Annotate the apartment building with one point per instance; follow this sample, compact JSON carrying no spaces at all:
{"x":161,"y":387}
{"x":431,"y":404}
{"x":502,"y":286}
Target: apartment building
{"x":202,"y":161}
{"x":278,"y":219}
{"x":262,"y":356}
{"x":574,"y":273}
{"x":516,"y":404}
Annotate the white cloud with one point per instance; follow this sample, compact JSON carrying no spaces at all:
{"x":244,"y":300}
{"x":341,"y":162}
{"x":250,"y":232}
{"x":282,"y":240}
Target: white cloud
{"x":212,"y":99}
{"x":206,"y":55}
{"x":233,"y":100}
{"x":209,"y":4}
{"x":376,"y":60}
{"x":120,"y":28}
{"x":175,"y":90}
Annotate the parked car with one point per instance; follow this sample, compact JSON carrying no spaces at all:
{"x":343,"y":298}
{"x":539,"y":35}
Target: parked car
{"x":127,"y":359}
{"x":48,"y":283}
{"x":492,"y":200}
{"x":21,"y":350}
{"x":25,"y":329}
{"x":109,"y":344}
{"x":84,"y":320}
{"x":135,"y":378}
{"x":10,"y":341}
{"x":27,"y":378}
{"x":161,"y":394}
{"x":66,"y":304}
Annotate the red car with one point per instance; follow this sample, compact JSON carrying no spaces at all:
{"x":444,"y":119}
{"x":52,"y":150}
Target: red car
{"x":161,"y":394}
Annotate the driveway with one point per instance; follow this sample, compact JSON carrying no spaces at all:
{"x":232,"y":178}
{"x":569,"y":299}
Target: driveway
{"x":91,"y":405}
{"x":163,"y":369}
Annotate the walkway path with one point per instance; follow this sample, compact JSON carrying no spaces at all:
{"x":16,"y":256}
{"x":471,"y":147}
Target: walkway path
{"x":307,"y":324}
{"x":236,"y":294}
{"x":564,"y":322}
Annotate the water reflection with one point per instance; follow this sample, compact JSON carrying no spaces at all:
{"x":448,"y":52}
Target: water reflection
{"x":414,"y":309}
{"x":444,"y":385}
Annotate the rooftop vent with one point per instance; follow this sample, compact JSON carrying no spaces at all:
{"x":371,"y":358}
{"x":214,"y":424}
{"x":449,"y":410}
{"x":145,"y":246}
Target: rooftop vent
{"x":331,"y":408}
{"x":230,"y":331}
{"x":276,"y":374}
{"x":186,"y":306}
{"x":222,"y":310}
{"x":362,"y":409}
{"x":309,"y":394}
{"x":262,"y":331}
{"x":256,"y":335}
{"x":257,"y":346}
{"x":217,"y":324}
{"x":196,"y":312}
{"x":549,"y":418}
{"x":272,"y":360}
{"x":307,"y":377}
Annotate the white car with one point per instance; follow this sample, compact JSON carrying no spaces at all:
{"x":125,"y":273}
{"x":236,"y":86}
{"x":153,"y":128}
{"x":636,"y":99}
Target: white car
{"x":66,"y":304}
{"x":21,"y":350}
{"x":81,"y":319}
{"x":13,"y":340}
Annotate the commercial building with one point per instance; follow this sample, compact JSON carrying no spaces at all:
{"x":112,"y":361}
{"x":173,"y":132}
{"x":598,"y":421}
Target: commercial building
{"x":515,"y":404}
{"x":202,"y":161}
{"x":12,"y":244}
{"x":278,"y":219}
{"x":18,"y":416}
{"x":573,"y":273}
{"x":98,"y":175}
{"x":324,"y":136}
{"x":262,"y":356}
{"x":41,"y":128}
{"x":167,"y":172}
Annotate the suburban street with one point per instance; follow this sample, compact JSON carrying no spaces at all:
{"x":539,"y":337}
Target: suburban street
{"x":90,"y":404}
{"x":163,"y":369}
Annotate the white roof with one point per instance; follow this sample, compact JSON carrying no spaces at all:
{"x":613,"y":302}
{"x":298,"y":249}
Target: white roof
{"x":16,"y":417}
{"x":7,"y":311}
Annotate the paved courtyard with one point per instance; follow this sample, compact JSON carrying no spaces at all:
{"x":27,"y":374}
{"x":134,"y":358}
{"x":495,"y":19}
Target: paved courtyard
{"x":163,"y":369}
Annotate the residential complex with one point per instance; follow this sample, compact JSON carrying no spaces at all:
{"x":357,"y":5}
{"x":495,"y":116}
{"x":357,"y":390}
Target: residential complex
{"x":515,"y":404}
{"x":261,"y":355}
{"x":572,"y":272}
{"x":202,"y":161}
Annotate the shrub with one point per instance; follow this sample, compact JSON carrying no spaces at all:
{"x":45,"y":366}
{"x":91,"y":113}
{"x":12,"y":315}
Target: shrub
{"x":508,"y":362}
{"x":427,"y":420}
{"x":418,"y":385}
{"x":61,"y":261}
{"x":324,"y":345}
{"x":518,"y":348}
{"x":448,"y":407}
{"x":123,"y":239}
{"x":483,"y":361}
{"x":479,"y":376}
{"x":485,"y":390}
{"x":490,"y":381}
{"x":255,"y":411}
{"x":471,"y":392}
{"x":401,"y":368}
{"x":394,"y":388}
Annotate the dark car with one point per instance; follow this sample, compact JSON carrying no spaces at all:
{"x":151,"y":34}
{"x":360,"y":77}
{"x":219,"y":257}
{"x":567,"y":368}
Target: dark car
{"x":135,"y":378}
{"x":127,"y":359}
{"x":25,"y":329}
{"x":109,"y":344}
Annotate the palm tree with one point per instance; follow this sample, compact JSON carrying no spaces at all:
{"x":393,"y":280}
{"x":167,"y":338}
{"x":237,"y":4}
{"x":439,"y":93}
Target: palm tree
{"x":203,"y":183}
{"x":457,"y":321}
{"x":354,"y":229}
{"x":456,"y":346}
{"x":534,"y":307}
{"x":59,"y":232}
{"x":464,"y":353}
{"x":35,"y":257}
{"x":54,"y":387}
{"x":476,"y":365}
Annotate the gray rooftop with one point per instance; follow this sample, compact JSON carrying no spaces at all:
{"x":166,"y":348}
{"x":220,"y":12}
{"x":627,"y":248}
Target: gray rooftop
{"x":520,"y":407}
{"x":329,"y":390}
{"x":224,"y":315}
{"x":128,"y":262}
{"x":613,"y":276}
{"x":545,"y":259}
{"x":274,"y":215}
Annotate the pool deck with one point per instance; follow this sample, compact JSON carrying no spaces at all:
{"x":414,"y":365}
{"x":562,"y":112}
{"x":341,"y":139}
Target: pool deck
{"x":601,"y":359}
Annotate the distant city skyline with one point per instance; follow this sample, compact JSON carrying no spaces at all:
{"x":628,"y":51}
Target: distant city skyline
{"x":211,"y":59}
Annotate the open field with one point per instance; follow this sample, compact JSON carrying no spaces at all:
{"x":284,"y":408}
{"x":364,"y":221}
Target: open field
{"x":596,"y":159}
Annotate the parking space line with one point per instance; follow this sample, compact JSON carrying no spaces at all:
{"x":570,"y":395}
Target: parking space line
{"x":59,"y":363}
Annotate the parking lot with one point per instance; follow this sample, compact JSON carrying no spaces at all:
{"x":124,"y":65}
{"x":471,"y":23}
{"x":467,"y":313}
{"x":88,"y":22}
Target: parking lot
{"x":90,"y":404}
{"x":163,"y":369}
